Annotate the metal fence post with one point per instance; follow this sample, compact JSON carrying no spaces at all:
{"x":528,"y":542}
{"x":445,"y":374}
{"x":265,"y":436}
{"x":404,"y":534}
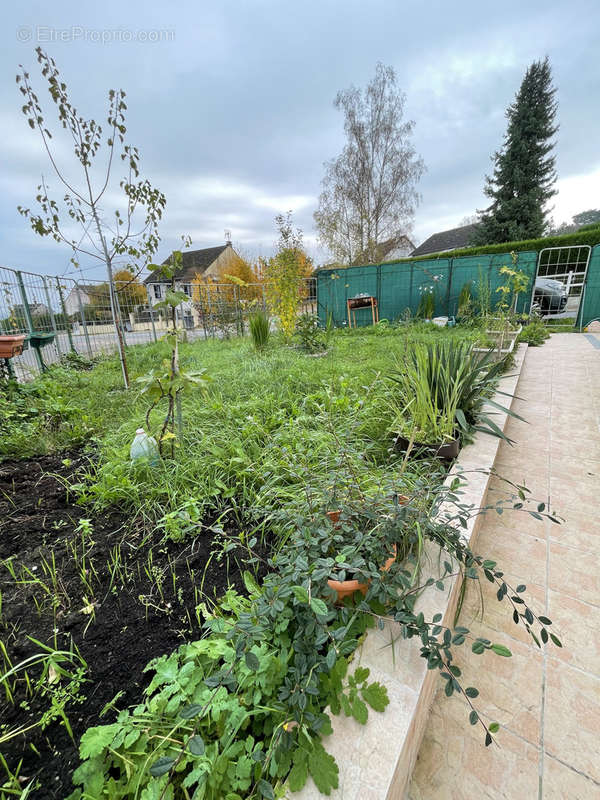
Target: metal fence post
{"x":240,"y":313}
{"x":52,"y":320}
{"x":27,"y":312}
{"x":449,"y":289}
{"x":83,"y":322}
{"x":64,"y":311}
{"x":212,"y":324}
{"x":120,"y":316}
{"x":151,"y":315}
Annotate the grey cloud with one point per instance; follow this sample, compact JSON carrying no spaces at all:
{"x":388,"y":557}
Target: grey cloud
{"x":234,"y":118}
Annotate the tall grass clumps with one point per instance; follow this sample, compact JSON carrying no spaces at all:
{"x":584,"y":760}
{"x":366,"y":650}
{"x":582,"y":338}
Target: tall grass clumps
{"x":260,"y":329}
{"x":440,"y":389}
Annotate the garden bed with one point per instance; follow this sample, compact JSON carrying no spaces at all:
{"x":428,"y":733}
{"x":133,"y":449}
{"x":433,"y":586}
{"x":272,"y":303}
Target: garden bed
{"x":41,"y":522}
{"x":273,"y":431}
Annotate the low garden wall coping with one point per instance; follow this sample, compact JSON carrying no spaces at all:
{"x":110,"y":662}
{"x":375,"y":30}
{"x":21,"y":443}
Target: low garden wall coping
{"x":376,"y":760}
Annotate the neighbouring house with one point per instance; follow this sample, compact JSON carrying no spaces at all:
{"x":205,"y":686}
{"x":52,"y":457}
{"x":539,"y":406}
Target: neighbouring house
{"x":445,"y":241}
{"x":82,"y":295}
{"x":390,"y":250}
{"x":17,"y":317}
{"x":394,"y":249}
{"x":35,"y":309}
{"x":206,"y":263}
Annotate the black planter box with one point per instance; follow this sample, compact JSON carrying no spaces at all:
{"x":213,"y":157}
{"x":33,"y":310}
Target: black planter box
{"x":444,"y":450}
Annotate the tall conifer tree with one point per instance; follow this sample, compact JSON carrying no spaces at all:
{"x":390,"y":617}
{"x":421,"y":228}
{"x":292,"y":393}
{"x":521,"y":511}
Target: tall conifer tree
{"x":524,"y":169}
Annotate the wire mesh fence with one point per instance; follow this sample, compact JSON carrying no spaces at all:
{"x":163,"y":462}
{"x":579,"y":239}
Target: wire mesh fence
{"x":58,"y":316}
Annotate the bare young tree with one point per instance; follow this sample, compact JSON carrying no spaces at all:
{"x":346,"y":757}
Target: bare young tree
{"x":369,"y":191}
{"x":132,"y":237}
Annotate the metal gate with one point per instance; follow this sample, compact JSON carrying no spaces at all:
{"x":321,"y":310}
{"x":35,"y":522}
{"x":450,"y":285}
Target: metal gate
{"x":559,"y":282}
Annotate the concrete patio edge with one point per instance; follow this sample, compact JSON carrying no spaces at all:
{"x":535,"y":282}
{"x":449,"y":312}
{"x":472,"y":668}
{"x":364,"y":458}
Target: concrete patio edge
{"x":376,"y":760}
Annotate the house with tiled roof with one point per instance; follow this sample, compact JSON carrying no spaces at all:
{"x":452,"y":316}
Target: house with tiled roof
{"x":390,"y":250}
{"x":206,"y":263}
{"x":444,"y":241}
{"x":83,"y":294}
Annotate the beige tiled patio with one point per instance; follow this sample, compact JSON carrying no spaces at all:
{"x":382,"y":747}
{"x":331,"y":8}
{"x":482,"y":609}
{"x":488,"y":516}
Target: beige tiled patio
{"x":547,"y":702}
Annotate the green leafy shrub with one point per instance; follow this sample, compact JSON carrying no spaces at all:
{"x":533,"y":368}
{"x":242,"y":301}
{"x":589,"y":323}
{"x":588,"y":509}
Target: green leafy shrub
{"x":535,"y":333}
{"x":592,"y":226}
{"x":41,"y":414}
{"x":311,"y":337}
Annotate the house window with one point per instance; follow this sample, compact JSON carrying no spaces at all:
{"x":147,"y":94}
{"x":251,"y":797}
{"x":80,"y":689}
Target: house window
{"x":187,"y":289}
{"x":157,"y":291}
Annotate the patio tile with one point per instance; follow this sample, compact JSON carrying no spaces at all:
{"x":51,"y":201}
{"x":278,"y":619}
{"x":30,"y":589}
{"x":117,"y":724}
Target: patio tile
{"x":577,"y":625}
{"x":557,"y":454}
{"x":532,"y":410}
{"x":518,"y":468}
{"x":579,"y":530}
{"x":561,"y":781}
{"x":574,"y":464}
{"x":571,"y":718}
{"x":519,"y":521}
{"x":577,"y":491}
{"x":536,"y":484}
{"x":566,"y":444}
{"x":510,"y":688}
{"x":525,"y":433}
{"x":454,"y":764}
{"x":518,"y":554}
{"x":497,"y":616}
{"x":561,"y":429}
{"x":574,"y":574}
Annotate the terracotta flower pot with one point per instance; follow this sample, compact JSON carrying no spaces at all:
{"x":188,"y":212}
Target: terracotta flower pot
{"x":11,"y":345}
{"x":345,"y":589}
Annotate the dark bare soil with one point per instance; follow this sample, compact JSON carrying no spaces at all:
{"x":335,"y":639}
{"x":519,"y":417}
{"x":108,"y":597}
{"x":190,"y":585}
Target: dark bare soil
{"x":131,"y":623}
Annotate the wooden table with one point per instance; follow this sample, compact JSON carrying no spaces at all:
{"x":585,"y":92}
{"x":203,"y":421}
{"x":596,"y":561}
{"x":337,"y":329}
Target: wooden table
{"x":367,"y":301}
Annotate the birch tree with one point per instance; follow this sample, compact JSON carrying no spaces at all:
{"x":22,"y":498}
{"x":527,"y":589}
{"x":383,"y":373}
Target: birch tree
{"x":369,"y":193}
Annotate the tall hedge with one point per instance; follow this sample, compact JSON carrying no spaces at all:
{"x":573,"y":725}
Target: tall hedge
{"x":591,"y":237}
{"x":580,"y":237}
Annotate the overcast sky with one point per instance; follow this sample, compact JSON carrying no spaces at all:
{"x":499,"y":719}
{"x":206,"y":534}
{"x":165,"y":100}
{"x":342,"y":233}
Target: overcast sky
{"x":232,"y":107}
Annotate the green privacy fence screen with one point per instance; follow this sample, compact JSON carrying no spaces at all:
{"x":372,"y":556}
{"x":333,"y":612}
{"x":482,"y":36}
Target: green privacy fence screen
{"x":590,"y":306}
{"x":400,"y":285}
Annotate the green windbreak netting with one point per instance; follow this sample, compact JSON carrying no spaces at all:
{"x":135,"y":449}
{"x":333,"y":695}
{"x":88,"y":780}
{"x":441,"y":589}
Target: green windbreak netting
{"x":400,"y":285}
{"x":396,"y":282}
{"x":590,"y":307}
{"x":431,"y":277}
{"x":334,"y":287}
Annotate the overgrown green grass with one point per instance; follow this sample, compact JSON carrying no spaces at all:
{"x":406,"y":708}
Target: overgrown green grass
{"x":272,"y":427}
